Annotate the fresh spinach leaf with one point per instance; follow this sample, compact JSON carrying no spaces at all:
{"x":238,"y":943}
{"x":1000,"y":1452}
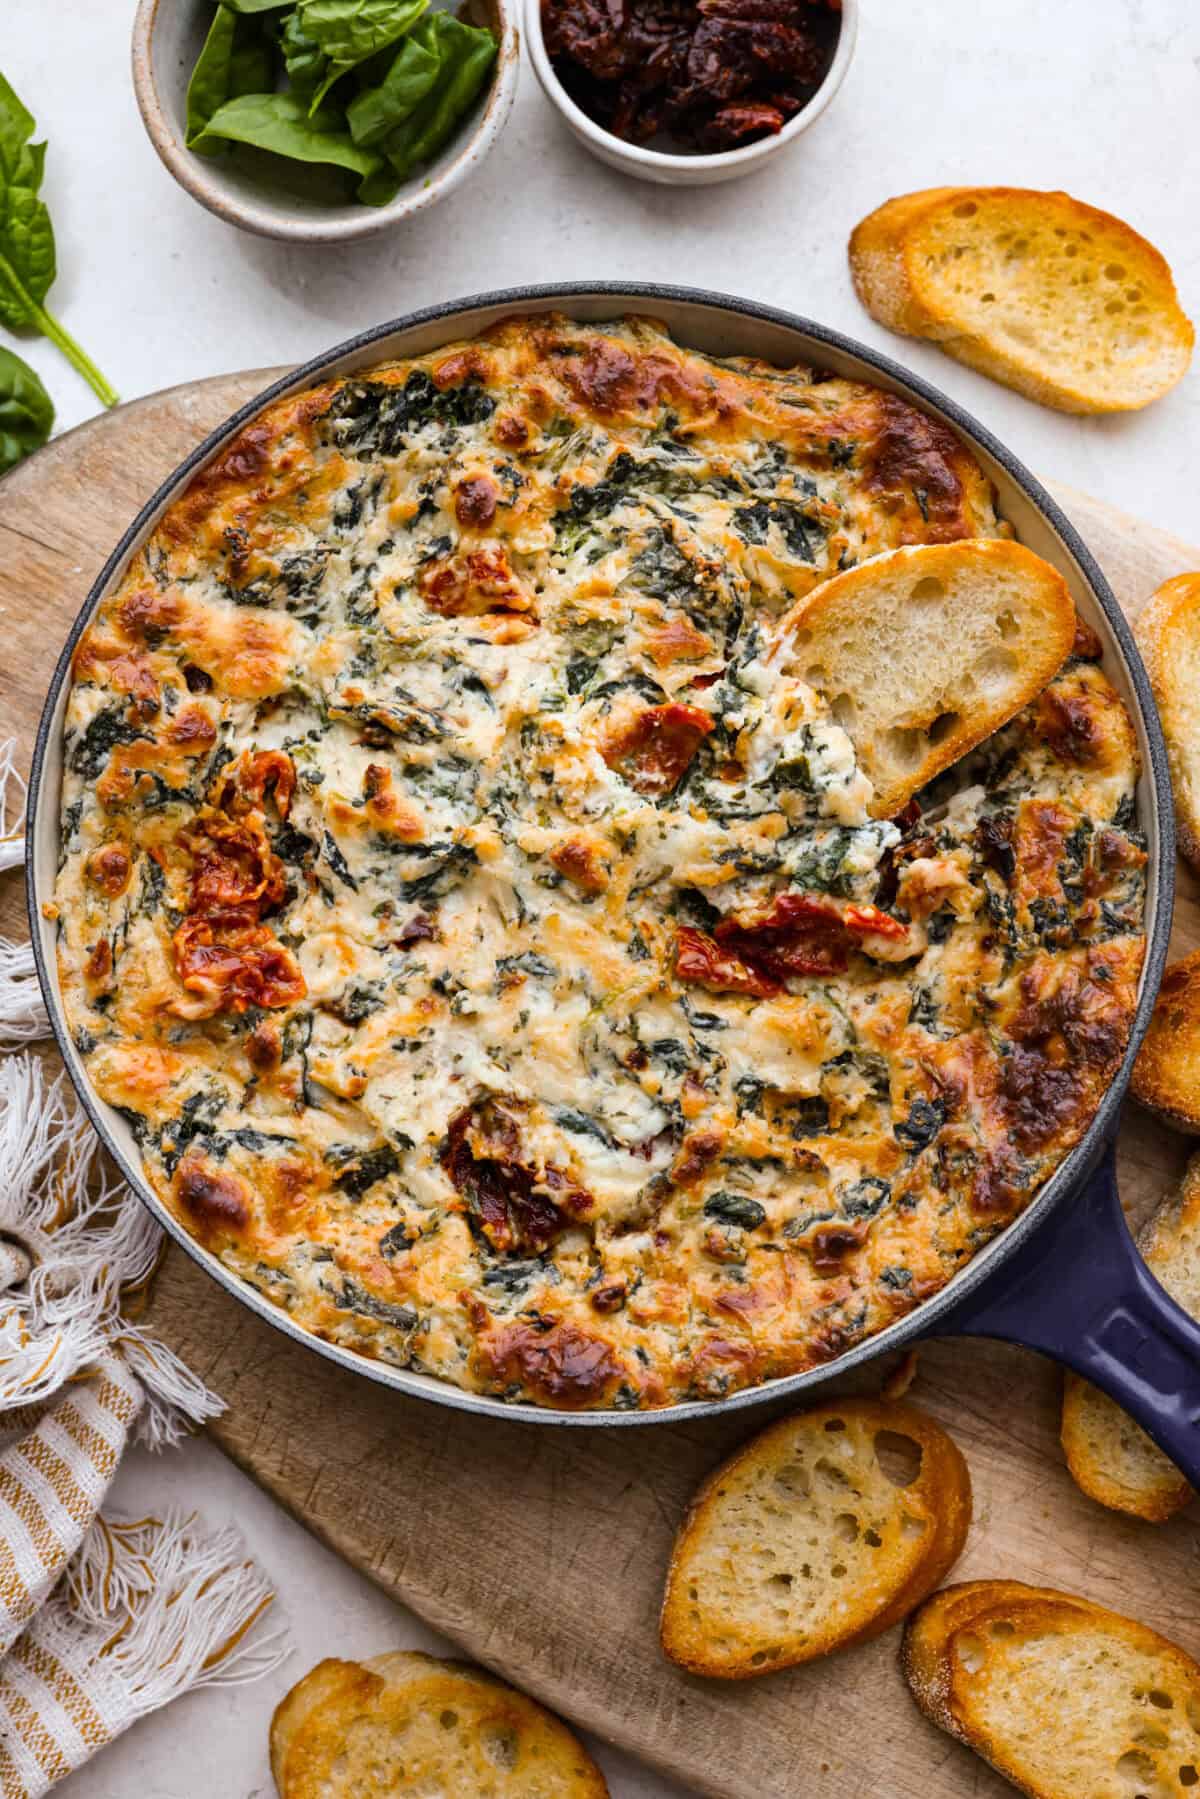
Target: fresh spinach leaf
{"x":350,"y":31}
{"x":252,"y":66}
{"x":26,"y":411}
{"x":253,"y":6}
{"x":27,"y":254}
{"x":467,"y":55}
{"x":236,"y":59}
{"x":282,"y":124}
{"x":303,"y":58}
{"x":379,"y":110}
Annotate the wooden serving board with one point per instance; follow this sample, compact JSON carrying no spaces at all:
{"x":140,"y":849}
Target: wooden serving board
{"x":542,"y":1551}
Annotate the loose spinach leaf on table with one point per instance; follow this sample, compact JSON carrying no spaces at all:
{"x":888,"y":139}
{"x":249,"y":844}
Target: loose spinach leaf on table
{"x":351,"y":31}
{"x":26,"y":411}
{"x":236,"y":59}
{"x":414,"y":70}
{"x":27,"y":255}
{"x":281,"y":123}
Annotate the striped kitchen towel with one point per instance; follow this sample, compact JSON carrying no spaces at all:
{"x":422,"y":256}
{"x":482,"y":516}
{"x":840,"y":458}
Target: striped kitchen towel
{"x":101,"y":1620}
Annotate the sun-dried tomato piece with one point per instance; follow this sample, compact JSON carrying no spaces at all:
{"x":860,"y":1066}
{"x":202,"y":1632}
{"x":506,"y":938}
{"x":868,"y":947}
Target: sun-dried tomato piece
{"x":654,"y":749}
{"x":799,"y":936}
{"x":869,"y":921}
{"x":231,"y":963}
{"x":233,"y":866}
{"x":485,"y":1161}
{"x":225,"y":956}
{"x":702,"y":962}
{"x":468,"y":586}
{"x":736,"y":124}
{"x":255,"y":775}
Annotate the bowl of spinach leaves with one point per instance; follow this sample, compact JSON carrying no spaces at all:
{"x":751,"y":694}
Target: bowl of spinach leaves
{"x":323,"y":120}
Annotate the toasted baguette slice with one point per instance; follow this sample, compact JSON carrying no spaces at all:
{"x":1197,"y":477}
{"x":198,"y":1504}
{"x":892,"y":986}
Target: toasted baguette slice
{"x":804,"y":1542}
{"x":922,"y":653}
{"x":1057,"y":299}
{"x":1110,"y":1457}
{"x":1166,"y":1075}
{"x":924,"y":1654}
{"x":877,"y":265}
{"x":1168,"y":634}
{"x":1069,"y":1701}
{"x":409,"y":1723}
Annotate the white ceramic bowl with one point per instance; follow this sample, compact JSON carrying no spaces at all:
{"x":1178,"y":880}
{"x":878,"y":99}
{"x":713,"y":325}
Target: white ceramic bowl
{"x":167,"y":38}
{"x":684,"y":169}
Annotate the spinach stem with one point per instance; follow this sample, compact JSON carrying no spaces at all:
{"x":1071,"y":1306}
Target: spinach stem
{"x":78,"y":358}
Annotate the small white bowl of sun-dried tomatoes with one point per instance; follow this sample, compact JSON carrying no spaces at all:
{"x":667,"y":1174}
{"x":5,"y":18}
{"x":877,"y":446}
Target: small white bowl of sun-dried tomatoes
{"x":688,"y":92}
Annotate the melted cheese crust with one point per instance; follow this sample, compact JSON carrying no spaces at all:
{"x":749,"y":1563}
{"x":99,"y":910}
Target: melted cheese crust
{"x":494,"y":955}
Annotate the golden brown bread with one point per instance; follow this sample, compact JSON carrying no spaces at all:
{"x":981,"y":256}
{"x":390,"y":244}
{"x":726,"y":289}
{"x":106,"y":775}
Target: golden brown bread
{"x":1057,"y":299}
{"x":922,"y":653}
{"x":1168,"y":635}
{"x":1110,"y":1457}
{"x":406,"y":1723}
{"x":805,"y":1540}
{"x":1166,"y":1075}
{"x":923,"y":1652}
{"x":1065,"y":1699}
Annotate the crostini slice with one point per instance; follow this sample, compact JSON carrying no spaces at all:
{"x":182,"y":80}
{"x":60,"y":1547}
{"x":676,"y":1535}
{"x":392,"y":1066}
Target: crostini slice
{"x":1168,"y":634}
{"x":924,"y":1650}
{"x":407,"y":1723}
{"x":1057,"y":299}
{"x":923,"y":653}
{"x":1063,"y":1697}
{"x":822,"y":1531}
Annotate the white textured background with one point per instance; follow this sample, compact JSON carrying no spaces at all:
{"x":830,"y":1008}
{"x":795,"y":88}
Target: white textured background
{"x":1101,"y":97}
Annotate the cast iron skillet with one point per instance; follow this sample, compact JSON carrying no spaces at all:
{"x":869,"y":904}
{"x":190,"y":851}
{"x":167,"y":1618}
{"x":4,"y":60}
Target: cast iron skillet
{"x":1065,"y":1278}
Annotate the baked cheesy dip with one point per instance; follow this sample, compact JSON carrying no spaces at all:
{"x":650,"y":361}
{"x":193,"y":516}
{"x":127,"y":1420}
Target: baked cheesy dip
{"x":494,"y":953}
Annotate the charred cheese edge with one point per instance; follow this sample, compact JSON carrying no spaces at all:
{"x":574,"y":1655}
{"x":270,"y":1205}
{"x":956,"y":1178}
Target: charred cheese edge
{"x":494,"y":956}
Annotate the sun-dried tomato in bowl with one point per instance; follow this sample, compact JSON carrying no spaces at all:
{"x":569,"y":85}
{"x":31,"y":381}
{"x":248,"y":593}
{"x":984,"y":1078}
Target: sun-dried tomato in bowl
{"x":708,"y":74}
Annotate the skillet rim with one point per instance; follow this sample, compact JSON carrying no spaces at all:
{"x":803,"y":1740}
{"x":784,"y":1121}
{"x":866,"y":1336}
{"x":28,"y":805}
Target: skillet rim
{"x":1066,"y":1179}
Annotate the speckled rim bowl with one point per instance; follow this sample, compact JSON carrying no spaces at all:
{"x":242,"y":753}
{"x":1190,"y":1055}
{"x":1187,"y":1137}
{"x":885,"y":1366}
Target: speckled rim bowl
{"x":683,"y":170}
{"x":167,"y":38}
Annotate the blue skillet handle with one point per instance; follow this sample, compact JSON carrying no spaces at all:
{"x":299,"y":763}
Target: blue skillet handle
{"x":1080,"y":1292}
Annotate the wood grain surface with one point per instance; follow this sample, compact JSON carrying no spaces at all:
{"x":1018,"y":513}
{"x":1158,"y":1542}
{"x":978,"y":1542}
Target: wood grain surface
{"x":542,"y":1552}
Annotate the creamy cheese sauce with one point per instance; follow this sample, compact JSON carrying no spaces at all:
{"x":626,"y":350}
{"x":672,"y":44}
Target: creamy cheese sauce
{"x":494,"y":951}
